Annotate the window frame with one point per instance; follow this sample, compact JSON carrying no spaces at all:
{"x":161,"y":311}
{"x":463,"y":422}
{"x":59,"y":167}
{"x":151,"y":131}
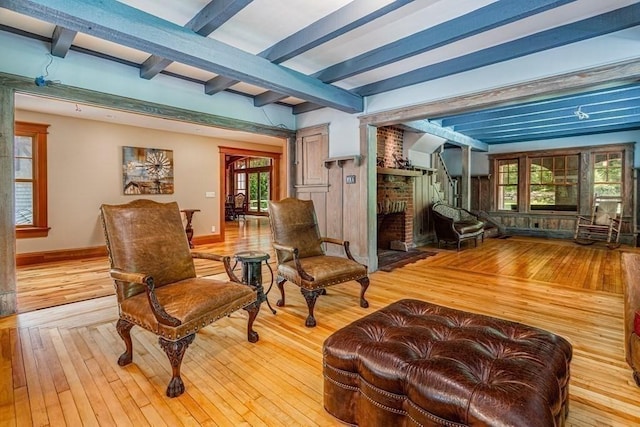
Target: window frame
{"x":586,"y":157}
{"x":539,"y":160}
{"x":509,"y":162}
{"x":38,"y":133}
{"x":608,"y":167}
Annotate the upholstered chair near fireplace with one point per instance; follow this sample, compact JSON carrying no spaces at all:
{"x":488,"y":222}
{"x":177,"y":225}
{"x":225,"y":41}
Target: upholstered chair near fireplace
{"x":455,"y":225}
{"x":302,"y":259}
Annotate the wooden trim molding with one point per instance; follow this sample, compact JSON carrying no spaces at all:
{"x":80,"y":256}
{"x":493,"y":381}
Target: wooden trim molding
{"x":620,"y":72}
{"x":207,"y":239}
{"x":31,"y":258}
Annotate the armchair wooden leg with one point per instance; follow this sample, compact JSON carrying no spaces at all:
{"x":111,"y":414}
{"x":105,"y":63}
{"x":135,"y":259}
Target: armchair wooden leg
{"x":124,"y":330}
{"x":310,"y":297}
{"x":253,"y":310}
{"x":175,"y":352}
{"x":280,"y":282}
{"x":364,"y":284}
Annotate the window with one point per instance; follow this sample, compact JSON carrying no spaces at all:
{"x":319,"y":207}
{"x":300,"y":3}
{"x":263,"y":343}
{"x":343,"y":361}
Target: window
{"x":30,"y":164}
{"x":607,"y":174}
{"x":553,"y":184}
{"x":241,"y":182}
{"x":508,"y":184}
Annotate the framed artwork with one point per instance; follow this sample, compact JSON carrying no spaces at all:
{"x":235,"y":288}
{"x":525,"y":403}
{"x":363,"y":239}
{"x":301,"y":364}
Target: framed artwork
{"x":147,"y":170}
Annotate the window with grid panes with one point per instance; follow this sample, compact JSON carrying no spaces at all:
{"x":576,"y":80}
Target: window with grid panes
{"x":607,"y":174}
{"x":553,"y":183}
{"x":30,"y":179}
{"x":508,"y":184}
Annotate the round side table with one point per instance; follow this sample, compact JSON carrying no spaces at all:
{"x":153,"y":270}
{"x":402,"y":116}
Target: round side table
{"x":251,"y":262}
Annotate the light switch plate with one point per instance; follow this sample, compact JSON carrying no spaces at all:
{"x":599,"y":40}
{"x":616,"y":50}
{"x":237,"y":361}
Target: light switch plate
{"x":210,"y":194}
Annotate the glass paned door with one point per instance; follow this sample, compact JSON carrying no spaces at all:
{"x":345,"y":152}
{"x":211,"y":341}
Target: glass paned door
{"x":259,"y":192}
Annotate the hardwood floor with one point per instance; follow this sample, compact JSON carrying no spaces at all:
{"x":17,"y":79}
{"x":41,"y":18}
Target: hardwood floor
{"x":58,"y":365}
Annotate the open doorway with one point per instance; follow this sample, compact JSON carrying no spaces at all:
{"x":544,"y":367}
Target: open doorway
{"x":254,"y":174}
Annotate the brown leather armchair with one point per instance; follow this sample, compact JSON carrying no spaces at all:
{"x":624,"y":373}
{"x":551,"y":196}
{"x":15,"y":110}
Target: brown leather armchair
{"x":156,"y":284}
{"x":301,"y":257}
{"x":455,"y":225}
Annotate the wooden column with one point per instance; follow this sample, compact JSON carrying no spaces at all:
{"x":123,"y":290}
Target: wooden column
{"x":7,"y":227}
{"x":465,"y":183}
{"x":368,"y":147}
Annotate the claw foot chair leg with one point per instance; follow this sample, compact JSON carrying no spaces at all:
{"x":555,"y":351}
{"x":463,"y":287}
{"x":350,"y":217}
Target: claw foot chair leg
{"x":310,"y":297}
{"x":175,"y":352}
{"x":280,"y":283}
{"x":636,"y":377}
{"x":364,"y":284}
{"x":253,"y":310}
{"x":124,"y":330}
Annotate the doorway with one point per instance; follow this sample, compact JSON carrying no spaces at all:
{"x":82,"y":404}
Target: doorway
{"x":259,"y":192}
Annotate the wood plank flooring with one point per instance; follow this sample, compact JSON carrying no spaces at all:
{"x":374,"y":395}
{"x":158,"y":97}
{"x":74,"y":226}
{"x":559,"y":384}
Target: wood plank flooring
{"x":58,"y":365}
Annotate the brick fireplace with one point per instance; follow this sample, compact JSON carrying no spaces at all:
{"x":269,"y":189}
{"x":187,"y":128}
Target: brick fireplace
{"x":394,"y":193}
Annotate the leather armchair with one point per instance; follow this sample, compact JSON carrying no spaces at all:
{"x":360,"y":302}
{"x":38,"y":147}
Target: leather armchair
{"x":301,"y":257}
{"x":156,"y":284}
{"x":455,"y":225}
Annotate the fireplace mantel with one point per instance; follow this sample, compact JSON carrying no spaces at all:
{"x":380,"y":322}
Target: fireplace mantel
{"x":403,"y":172}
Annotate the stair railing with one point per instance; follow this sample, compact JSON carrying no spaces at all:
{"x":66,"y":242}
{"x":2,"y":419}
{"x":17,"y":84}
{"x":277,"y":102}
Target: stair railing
{"x":450,"y":186}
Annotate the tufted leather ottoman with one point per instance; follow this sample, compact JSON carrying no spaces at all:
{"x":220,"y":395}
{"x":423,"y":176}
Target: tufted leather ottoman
{"x":416,"y":363}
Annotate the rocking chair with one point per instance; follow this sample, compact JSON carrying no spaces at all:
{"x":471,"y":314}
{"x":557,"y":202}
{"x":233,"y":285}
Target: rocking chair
{"x":603,"y":225}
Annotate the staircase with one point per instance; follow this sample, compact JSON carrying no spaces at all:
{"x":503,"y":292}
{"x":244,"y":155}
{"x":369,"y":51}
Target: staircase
{"x":446,"y":191}
{"x":445,"y":187}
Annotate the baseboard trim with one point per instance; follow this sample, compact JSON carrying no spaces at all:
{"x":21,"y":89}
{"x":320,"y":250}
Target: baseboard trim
{"x":206,"y":239}
{"x":31,"y":258}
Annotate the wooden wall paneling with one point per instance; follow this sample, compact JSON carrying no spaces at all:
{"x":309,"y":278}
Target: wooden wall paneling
{"x":313,"y":171}
{"x":423,"y":195}
{"x":352,"y":209}
{"x":335,"y":207}
{"x":320,"y":204}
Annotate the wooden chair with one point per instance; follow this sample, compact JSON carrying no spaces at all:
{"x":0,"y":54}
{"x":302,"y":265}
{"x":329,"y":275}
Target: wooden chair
{"x":301,"y":257}
{"x":240,"y":205}
{"x":604,"y":223}
{"x":156,"y":284}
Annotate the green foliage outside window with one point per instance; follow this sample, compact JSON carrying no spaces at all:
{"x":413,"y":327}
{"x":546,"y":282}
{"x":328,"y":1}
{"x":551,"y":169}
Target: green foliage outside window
{"x":554,"y":183}
{"x":607,"y":174}
{"x":508,"y":184}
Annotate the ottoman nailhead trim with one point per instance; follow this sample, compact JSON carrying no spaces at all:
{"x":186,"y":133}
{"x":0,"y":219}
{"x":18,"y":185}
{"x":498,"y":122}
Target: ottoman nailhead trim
{"x":429,"y":415}
{"x":339,"y":384}
{"x":385,"y":407}
{"x":383,"y":392}
{"x":340,"y":371}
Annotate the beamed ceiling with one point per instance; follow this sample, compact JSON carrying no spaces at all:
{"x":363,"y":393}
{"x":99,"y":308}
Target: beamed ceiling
{"x":311,"y":54}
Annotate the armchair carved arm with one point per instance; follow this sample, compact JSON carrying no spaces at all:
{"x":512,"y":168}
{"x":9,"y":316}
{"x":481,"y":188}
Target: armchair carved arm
{"x":225,"y":260}
{"x":343,"y":243}
{"x":296,"y":260}
{"x":143,"y":279}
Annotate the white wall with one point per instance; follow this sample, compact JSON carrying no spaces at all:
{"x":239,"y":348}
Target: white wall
{"x":85,"y":171}
{"x":418,"y":147}
{"x":344,"y":130}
